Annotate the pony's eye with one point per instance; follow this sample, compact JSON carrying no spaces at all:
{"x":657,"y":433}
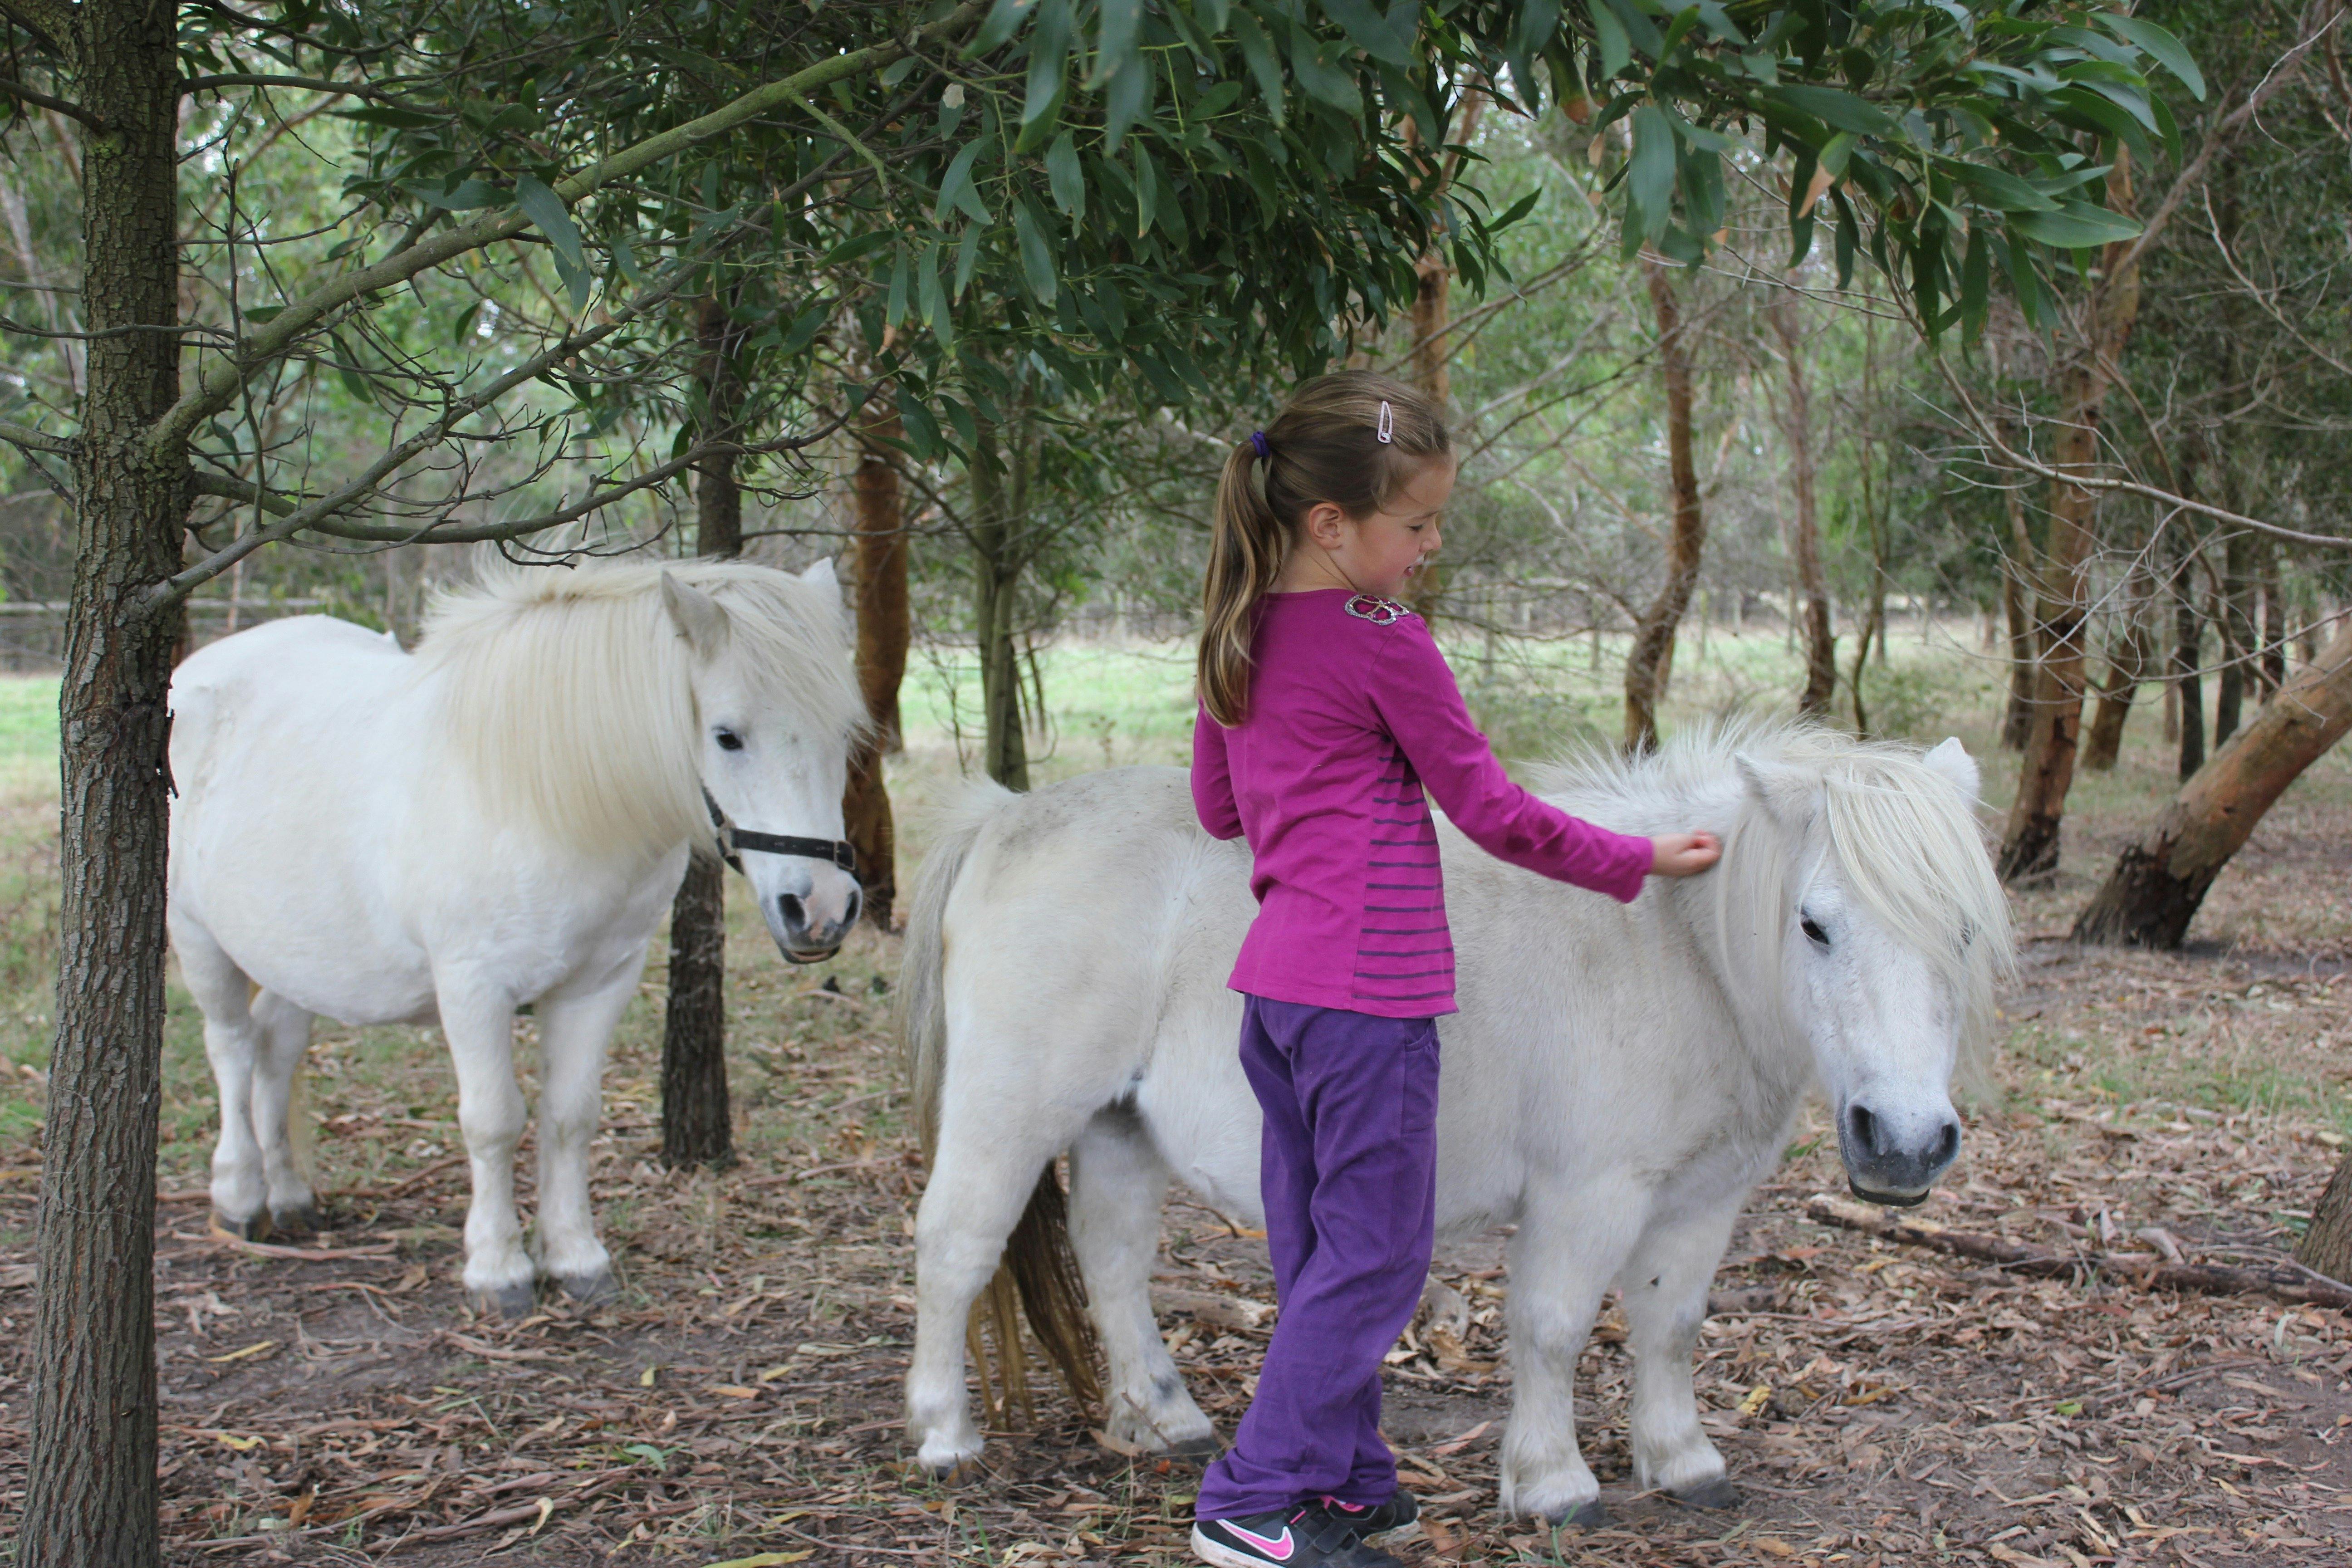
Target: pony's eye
{"x":728,"y":741}
{"x":1812,"y":930}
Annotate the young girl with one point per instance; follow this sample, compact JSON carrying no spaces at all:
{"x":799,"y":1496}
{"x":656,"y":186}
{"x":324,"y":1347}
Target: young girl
{"x":1326,"y":708}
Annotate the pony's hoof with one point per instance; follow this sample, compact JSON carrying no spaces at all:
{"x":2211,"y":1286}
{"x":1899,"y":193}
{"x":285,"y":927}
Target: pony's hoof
{"x":1718,"y":1493}
{"x":944,"y":1472}
{"x":1591,"y":1516}
{"x":304,"y":1220}
{"x":595,"y":1289}
{"x":505,"y":1301}
{"x":254,"y":1227}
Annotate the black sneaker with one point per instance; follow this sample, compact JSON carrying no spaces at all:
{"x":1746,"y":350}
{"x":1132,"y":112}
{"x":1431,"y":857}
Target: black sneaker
{"x":1376,"y":1519}
{"x":1308,"y":1535}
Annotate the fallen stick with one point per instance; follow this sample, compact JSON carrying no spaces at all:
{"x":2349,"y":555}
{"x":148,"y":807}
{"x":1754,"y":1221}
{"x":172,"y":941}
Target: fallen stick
{"x":2147,"y":1270}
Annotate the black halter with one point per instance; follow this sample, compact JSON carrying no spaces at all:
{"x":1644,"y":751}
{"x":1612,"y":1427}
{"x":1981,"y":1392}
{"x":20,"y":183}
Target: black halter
{"x":732,"y":840}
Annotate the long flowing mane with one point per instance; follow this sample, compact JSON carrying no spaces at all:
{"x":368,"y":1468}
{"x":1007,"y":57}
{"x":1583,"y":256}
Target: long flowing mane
{"x":569,"y":701}
{"x":1907,"y":840}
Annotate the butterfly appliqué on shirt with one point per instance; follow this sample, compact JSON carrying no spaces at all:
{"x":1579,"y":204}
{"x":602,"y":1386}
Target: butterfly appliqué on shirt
{"x":1379,"y":612}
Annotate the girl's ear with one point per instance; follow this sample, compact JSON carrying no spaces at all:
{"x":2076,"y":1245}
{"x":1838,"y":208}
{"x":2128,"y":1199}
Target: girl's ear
{"x":1326,"y":524}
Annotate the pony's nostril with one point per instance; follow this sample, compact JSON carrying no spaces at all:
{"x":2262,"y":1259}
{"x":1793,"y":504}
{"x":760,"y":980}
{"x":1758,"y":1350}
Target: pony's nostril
{"x":856,"y":902}
{"x":1861,"y":1129}
{"x":1947,"y":1145}
{"x":795,"y":914}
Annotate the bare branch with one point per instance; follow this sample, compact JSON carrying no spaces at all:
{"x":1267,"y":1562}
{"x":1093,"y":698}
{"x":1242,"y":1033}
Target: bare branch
{"x":34,"y":440}
{"x":70,"y":110}
{"x":1989,"y":434}
{"x":217,"y":388}
{"x":51,"y":21}
{"x":306,"y":83}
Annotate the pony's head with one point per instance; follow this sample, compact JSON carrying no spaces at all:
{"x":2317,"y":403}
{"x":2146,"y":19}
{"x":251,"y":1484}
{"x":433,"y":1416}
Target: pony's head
{"x":773,"y":724}
{"x":597,"y":705}
{"x":1879,"y":933}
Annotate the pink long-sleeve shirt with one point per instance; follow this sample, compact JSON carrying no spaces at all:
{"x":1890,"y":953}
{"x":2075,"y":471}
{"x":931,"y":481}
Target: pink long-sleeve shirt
{"x":1348,"y":720}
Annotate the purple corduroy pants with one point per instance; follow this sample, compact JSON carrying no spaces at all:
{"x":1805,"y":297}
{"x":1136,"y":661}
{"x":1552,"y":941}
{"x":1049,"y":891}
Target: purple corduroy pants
{"x":1349,"y":1173}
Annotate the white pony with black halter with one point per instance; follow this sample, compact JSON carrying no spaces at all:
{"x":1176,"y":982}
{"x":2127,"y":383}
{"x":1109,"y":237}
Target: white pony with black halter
{"x":497,"y":820}
{"x":1618,"y":1080}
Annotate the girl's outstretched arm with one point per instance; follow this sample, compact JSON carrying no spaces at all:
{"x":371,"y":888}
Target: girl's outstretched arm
{"x":1213,"y":780}
{"x":1413,"y":689}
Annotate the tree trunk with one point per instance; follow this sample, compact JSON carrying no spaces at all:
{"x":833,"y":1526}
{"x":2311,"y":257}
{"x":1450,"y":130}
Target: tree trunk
{"x":878,"y":573}
{"x":997,"y":502}
{"x":2030,"y":846}
{"x":698,"y":1128}
{"x":2273,"y":663}
{"x":2017,"y":603}
{"x":90,"y":1433}
{"x":2157,"y":883}
{"x":2187,"y":639}
{"x":2236,"y":617}
{"x":1820,"y":647}
{"x":2327,"y":1245}
{"x":2127,"y":661}
{"x":1653,"y":635}
{"x":1433,"y":352}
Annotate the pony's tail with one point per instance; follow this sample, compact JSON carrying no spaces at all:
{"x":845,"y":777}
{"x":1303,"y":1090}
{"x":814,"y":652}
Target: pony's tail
{"x":1038,"y":1274}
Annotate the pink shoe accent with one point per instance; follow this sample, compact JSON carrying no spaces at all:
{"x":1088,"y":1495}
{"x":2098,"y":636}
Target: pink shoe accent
{"x":1278,"y":1548}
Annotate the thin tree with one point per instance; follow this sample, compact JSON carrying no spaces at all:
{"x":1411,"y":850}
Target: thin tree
{"x":1797,"y":428}
{"x":1653,"y":633}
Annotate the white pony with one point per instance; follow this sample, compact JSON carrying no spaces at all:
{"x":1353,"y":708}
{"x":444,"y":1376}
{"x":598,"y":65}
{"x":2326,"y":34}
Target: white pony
{"x":1617,"y":1079}
{"x":500,"y":819}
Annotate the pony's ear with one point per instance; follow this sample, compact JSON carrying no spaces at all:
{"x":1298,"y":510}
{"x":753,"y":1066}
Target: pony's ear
{"x":820,"y":573}
{"x":697,"y":616}
{"x":1951,"y":759}
{"x":1784,"y":792}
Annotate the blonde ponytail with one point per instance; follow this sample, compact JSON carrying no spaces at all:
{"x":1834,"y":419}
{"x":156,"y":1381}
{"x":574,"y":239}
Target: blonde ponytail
{"x":1354,"y":440}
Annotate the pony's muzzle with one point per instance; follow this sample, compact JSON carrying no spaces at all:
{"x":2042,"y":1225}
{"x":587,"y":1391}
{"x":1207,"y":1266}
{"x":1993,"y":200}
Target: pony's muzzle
{"x":809,"y":933}
{"x":1893,"y":1158}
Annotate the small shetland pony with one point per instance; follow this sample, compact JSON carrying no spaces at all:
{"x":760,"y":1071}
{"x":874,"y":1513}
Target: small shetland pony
{"x":497,"y":820}
{"x":1616,"y":1081}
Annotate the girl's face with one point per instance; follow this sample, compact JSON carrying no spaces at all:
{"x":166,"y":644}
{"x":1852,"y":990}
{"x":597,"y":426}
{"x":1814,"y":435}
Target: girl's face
{"x":1379,"y":553}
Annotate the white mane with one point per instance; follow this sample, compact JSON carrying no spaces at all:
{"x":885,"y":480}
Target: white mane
{"x":1908,"y":844}
{"x":569,"y":698}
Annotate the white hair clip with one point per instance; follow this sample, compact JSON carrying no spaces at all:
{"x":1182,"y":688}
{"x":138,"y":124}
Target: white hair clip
{"x":1386,"y":428}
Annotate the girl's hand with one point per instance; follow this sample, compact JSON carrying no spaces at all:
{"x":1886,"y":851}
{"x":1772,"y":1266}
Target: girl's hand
{"x":1684,"y":854}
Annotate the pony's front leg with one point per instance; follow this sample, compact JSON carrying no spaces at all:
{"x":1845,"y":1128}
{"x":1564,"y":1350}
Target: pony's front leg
{"x":574,"y":1032}
{"x":1665,"y":1289}
{"x":1116,"y":1183}
{"x":1570,"y":1243}
{"x":480,"y":1025}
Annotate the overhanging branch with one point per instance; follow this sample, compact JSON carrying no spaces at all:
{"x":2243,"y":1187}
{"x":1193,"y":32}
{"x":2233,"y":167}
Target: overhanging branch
{"x":218,"y":387}
{"x":71,"y":111}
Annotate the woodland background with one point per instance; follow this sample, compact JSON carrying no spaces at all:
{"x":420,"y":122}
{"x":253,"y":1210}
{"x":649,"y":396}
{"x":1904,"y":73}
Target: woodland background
{"x":1697,"y":478}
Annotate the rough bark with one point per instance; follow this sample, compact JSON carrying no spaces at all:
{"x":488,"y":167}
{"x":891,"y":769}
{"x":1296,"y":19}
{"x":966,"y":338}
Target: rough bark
{"x":999,"y":494}
{"x":2188,"y":636}
{"x":1654,"y":633}
{"x":698,"y":1128}
{"x":2327,"y":1246}
{"x":2157,"y":883}
{"x":91,"y":1488}
{"x":2030,"y":846}
{"x":878,"y":574}
{"x":1805,"y":540}
{"x":2235,"y":616}
{"x":2271,"y":666}
{"x":2017,"y":604}
{"x":2128,"y":658}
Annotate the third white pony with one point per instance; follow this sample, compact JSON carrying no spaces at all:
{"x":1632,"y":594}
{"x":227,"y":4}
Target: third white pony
{"x":1617,"y":1079}
{"x":498,"y":819}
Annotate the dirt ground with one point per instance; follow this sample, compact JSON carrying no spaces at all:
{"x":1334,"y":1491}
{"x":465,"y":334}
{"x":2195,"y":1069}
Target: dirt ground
{"x":333,"y":1402}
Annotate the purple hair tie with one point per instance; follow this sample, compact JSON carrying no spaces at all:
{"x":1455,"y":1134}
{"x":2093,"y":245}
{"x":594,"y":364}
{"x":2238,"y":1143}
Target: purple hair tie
{"x":1257,"y":439}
